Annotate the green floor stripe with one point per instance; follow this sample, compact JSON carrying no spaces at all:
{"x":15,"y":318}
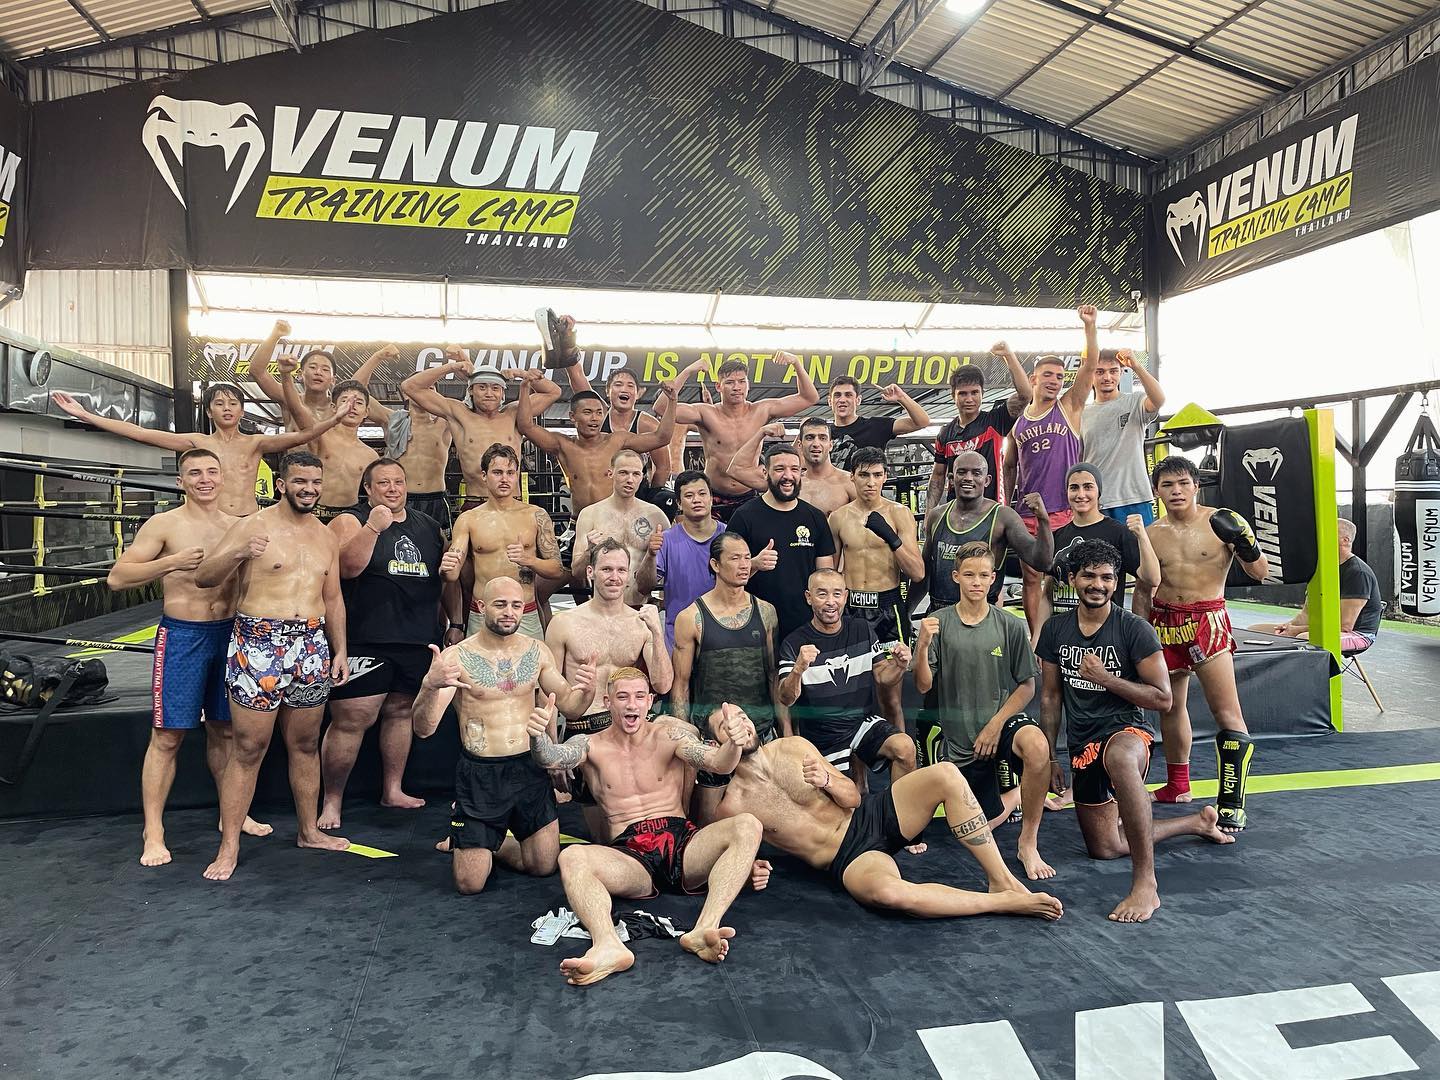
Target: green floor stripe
{"x":371,"y":852}
{"x":1386,"y":625}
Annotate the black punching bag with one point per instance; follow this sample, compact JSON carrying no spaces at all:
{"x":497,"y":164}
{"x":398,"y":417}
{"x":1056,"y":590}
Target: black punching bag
{"x":1417,"y":519}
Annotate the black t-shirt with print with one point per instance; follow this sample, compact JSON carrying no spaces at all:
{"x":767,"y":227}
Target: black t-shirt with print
{"x":801,"y":536}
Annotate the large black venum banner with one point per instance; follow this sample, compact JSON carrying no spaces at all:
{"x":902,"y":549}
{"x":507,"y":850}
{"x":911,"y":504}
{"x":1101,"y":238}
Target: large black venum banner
{"x":1371,"y":161}
{"x":1267,"y":477}
{"x":574,"y":142}
{"x":13,"y":123}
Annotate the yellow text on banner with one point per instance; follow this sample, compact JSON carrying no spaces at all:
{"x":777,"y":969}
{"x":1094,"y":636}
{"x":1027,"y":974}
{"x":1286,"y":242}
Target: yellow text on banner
{"x":1300,"y":208}
{"x":300,"y":198}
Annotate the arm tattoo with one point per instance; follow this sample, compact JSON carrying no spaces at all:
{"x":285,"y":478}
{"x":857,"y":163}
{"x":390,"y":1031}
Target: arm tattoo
{"x":564,"y":755}
{"x":545,"y":545}
{"x":975,"y":832}
{"x":695,"y":753}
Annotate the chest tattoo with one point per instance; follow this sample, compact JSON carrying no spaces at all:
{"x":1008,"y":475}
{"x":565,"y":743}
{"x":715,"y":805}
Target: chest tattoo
{"x":504,"y":674}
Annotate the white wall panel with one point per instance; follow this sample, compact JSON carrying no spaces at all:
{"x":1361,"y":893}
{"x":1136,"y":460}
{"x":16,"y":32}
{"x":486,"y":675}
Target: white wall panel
{"x":120,"y":317}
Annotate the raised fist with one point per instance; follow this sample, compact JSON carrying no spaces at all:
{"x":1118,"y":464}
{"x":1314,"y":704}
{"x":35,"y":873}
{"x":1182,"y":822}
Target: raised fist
{"x":287,"y":364}
{"x":380,"y":518}
{"x":806,"y":657}
{"x":257,"y":545}
{"x":650,"y":616}
{"x":1135,"y":523}
{"x":450,"y":563}
{"x":1000,"y":348}
{"x":1125,"y":358}
{"x":1087,"y":313}
{"x":1092,"y":669}
{"x":929,"y":627}
{"x":282,"y":328}
{"x":786,"y":358}
{"x":775,"y":429}
{"x":814,"y":773}
{"x":1036,"y":502}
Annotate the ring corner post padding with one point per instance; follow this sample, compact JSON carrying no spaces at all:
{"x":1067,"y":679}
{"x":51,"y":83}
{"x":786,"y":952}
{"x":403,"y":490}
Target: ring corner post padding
{"x":1323,"y":600}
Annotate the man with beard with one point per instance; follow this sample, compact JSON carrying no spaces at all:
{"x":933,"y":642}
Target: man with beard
{"x":682,"y":568}
{"x":639,"y":772}
{"x":789,"y":540}
{"x":830,"y":670}
{"x":286,"y":650}
{"x":811,"y":810}
{"x":826,"y":487}
{"x":239,"y":454}
{"x":504,"y":536}
{"x":851,"y":432}
{"x":605,"y":634}
{"x":1196,"y":545}
{"x":975,"y":428}
{"x":1042,"y":446}
{"x":492,"y":677}
{"x":725,"y":427}
{"x":725,"y":651}
{"x":391,"y":561}
{"x":1105,"y":667}
{"x":344,"y":456}
{"x":190,"y":642}
{"x":638,"y":526}
{"x":482,"y":419}
{"x":972,"y":517}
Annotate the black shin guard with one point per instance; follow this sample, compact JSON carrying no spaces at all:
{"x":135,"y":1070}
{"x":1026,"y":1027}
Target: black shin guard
{"x":1233,"y":751}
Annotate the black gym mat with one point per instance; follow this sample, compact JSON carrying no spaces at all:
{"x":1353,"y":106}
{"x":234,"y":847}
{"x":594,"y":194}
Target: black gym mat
{"x":333,"y":965}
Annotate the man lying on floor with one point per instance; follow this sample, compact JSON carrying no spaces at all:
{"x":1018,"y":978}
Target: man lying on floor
{"x":809,"y":809}
{"x":640,"y":775}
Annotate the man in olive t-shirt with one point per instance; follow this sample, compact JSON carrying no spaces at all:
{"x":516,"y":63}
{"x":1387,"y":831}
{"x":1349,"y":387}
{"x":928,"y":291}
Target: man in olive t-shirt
{"x":979,"y":657}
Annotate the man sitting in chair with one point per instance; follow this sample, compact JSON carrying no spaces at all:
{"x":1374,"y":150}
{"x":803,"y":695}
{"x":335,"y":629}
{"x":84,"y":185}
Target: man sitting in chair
{"x":1360,"y":602}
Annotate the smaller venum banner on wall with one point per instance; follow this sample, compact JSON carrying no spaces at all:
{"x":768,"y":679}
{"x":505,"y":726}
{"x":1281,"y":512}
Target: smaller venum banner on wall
{"x":13,"y":148}
{"x":597,"y":143}
{"x":220,"y":361}
{"x":1371,"y":161}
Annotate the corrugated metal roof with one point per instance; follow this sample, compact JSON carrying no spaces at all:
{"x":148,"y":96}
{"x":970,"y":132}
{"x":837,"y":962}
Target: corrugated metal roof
{"x":1151,"y":76}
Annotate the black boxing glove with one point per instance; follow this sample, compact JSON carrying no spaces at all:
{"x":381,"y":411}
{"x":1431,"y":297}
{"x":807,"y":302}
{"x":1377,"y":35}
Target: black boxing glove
{"x":877,"y":524}
{"x":1231,"y":528}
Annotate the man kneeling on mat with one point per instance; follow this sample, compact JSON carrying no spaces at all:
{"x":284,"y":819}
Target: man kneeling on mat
{"x":639,"y":773}
{"x":1106,"y":666}
{"x":810,"y":810}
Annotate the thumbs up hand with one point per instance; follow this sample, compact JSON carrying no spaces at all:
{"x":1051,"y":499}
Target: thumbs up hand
{"x":766,"y":558}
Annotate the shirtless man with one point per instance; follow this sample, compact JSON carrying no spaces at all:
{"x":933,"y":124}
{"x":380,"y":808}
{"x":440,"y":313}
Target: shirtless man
{"x":483,"y":419}
{"x":971,"y":517}
{"x":813,"y":811}
{"x":286,"y":649}
{"x":585,"y":456}
{"x":505,"y":537}
{"x":239,"y":454}
{"x":640,"y":526}
{"x":317,"y":376}
{"x":639,"y":772}
{"x":724,"y":428}
{"x":1195,"y":545}
{"x":874,"y":544}
{"x":623,"y":394}
{"x":497,"y":786}
{"x":826,"y":487}
{"x":339,"y":447}
{"x":190,"y":642}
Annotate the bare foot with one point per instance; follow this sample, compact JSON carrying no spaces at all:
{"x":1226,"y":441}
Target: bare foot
{"x":917,"y":849}
{"x":1211,"y":831}
{"x":401,"y":801}
{"x":709,"y":945}
{"x":1009,"y":883}
{"x":759,"y":874}
{"x":322,"y":842}
{"x":155,"y":852}
{"x":1036,"y":868}
{"x":1033,"y":905}
{"x":1058,"y":802}
{"x":596,"y":964}
{"x":251,"y":827}
{"x":443,"y":846}
{"x":329,"y":816}
{"x":1138,"y":906}
{"x":222,"y":867}
{"x":1170,"y":794}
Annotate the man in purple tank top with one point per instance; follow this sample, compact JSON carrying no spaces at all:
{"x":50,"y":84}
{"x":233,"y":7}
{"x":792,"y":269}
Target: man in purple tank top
{"x":1042,"y":446}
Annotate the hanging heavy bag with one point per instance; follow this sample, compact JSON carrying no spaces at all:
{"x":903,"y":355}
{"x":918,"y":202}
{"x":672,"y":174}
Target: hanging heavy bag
{"x":1417,"y":519}
{"x":46,"y":685}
